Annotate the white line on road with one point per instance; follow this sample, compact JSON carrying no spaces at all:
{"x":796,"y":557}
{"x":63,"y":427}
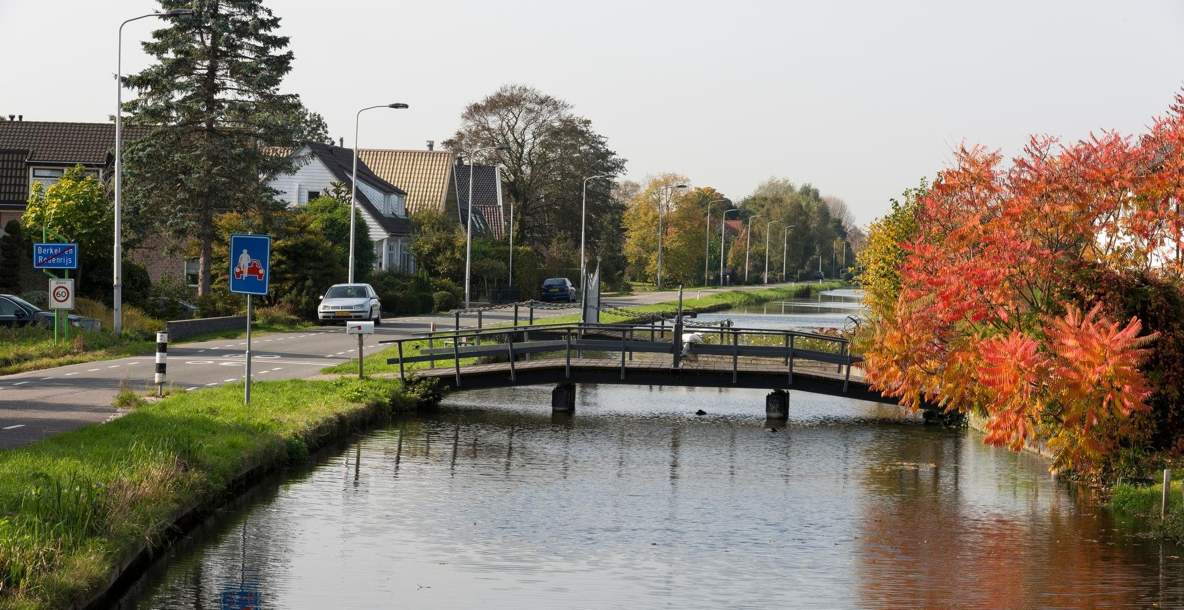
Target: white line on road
{"x":70,"y":374}
{"x":113,"y":366}
{"x":13,"y":427}
{"x":263,"y":372}
{"x":212,"y":384}
{"x":45,"y":378}
{"x":91,"y":370}
{"x":20,"y":383}
{"x":339,"y":353}
{"x":278,"y":368}
{"x":191,"y":389}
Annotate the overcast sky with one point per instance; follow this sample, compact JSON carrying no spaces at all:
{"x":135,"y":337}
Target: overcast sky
{"x":861,"y":99}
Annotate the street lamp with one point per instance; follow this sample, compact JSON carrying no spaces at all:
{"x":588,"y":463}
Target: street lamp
{"x":784,"y":244}
{"x":748,"y":245}
{"x":768,"y":229}
{"x":117,"y":263}
{"x":469,"y":221}
{"x":583,"y":221}
{"x":707,"y":239}
{"x":353,"y":187}
{"x":722,"y":250}
{"x":661,"y":230}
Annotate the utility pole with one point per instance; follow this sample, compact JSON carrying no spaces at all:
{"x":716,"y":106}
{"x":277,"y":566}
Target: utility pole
{"x":748,"y":246}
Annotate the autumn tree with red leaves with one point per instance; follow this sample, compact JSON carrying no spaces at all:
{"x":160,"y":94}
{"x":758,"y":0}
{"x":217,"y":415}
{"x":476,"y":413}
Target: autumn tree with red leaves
{"x":998,"y":311}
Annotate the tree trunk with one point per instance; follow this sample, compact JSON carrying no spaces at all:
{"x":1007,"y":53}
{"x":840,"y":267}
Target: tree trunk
{"x":203,"y":265}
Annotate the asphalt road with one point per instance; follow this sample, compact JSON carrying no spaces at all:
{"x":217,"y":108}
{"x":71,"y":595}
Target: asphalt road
{"x":38,"y":404}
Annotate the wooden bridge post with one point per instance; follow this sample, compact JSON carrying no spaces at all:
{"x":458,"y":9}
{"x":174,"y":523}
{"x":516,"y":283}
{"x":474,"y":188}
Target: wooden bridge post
{"x":563,"y":397}
{"x":844,"y":349}
{"x":479,"y":312}
{"x":510,"y":346}
{"x":777,"y":405}
{"x":402,"y":376}
{"x":531,"y":320}
{"x":792,"y":341}
{"x":623,"y":354}
{"x":456,"y":355}
{"x":456,"y":320}
{"x":567,"y":353}
{"x":735,"y":353}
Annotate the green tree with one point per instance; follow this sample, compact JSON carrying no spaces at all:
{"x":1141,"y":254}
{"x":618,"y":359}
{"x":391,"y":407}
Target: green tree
{"x":549,"y":152}
{"x":329,"y":217}
{"x":438,"y":244}
{"x":216,"y":113}
{"x":880,"y":262}
{"x":76,"y":208}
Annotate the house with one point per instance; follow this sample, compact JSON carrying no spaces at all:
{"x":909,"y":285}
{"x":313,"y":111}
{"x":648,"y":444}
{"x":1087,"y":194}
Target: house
{"x":383,"y":205}
{"x":433,"y":179}
{"x":40,"y":151}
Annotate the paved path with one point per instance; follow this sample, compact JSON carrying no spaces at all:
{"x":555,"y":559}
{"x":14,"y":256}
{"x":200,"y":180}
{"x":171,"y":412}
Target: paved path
{"x":37,"y":404}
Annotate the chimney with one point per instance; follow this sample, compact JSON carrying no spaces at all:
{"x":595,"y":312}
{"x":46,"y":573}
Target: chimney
{"x":431,"y":145}
{"x":12,"y":117}
{"x":341,"y":141}
{"x":20,"y":117}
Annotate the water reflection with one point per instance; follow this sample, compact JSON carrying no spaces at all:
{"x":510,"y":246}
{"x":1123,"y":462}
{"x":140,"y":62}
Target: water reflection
{"x":636,"y":502}
{"x":828,"y":309}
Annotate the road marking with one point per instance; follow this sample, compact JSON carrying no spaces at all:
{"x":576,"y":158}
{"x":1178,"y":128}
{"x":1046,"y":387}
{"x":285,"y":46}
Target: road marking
{"x":201,"y":351}
{"x":278,"y":368}
{"x":91,"y":370}
{"x":20,"y":383}
{"x":132,"y":363}
{"x":113,"y":366}
{"x":211,"y":384}
{"x":191,"y":389}
{"x":230,"y":380}
{"x":328,"y":355}
{"x":339,"y":353}
{"x":263,"y":372}
{"x":228,"y":346}
{"x":199,"y":362}
{"x":70,"y":374}
{"x":13,"y":427}
{"x":44,"y":378}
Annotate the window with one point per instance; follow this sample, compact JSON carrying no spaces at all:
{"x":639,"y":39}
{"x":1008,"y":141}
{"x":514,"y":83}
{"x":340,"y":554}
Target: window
{"x":46,"y":176}
{"x":191,"y":269}
{"x":392,"y":254}
{"x":7,"y":308}
{"x":313,"y":195}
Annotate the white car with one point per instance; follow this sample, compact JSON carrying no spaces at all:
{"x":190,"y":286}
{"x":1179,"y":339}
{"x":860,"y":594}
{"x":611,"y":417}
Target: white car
{"x":350,"y":302}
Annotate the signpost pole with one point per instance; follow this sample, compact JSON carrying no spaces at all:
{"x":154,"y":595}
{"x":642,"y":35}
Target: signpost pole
{"x":247,"y":385}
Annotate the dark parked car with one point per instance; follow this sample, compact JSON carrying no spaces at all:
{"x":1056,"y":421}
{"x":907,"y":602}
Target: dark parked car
{"x":558,"y":289}
{"x":15,"y":311}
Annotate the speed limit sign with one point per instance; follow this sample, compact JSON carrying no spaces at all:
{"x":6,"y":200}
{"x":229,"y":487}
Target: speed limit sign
{"x":61,"y":294}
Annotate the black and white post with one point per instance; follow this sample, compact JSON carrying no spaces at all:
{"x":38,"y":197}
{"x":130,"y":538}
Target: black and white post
{"x":162,"y":350}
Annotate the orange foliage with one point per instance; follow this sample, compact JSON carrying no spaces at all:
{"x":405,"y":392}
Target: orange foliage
{"x":989,"y":314}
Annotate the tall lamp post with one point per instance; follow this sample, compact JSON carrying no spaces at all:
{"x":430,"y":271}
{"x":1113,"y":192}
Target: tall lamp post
{"x":583,"y":222}
{"x":748,"y":245}
{"x":117,"y":262}
{"x":353,"y":186}
{"x":469,"y":220}
{"x":784,"y":249}
{"x":723,"y":250}
{"x":666,"y":190}
{"x":768,"y":229}
{"x":707,"y":240}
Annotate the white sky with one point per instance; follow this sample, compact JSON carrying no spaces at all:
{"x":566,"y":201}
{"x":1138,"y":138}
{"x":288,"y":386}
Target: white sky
{"x":860,"y":99}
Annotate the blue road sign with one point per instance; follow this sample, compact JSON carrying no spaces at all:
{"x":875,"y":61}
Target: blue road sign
{"x":55,"y":256}
{"x":250,"y":263}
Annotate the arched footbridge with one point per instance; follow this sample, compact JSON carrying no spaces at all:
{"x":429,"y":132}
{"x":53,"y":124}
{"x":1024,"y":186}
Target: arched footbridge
{"x":657,"y":353}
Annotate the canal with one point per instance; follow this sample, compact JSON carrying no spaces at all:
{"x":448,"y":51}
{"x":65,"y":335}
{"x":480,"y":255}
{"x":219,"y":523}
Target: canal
{"x":636,"y":501}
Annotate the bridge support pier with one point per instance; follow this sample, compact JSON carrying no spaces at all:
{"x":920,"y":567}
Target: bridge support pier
{"x":563,"y":398}
{"x":777,"y":405}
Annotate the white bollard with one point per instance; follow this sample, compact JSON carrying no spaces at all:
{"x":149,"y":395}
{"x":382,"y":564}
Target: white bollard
{"x":162,"y":349}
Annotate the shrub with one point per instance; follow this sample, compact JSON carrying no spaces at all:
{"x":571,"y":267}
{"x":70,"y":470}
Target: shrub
{"x":171,"y":299}
{"x":217,"y":302}
{"x":282,"y":314}
{"x":443,"y":300}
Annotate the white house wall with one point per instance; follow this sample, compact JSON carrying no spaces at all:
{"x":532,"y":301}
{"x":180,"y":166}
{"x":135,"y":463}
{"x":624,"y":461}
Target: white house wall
{"x":311,"y":175}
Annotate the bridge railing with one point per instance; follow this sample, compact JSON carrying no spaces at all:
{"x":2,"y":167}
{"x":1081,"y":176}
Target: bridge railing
{"x":656,"y":342}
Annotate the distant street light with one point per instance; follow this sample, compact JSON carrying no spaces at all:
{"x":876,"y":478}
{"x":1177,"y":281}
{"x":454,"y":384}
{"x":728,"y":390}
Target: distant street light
{"x":707,"y":239}
{"x":661,"y":230}
{"x":784,"y":250}
{"x":117,"y":263}
{"x":722,"y":249}
{"x":748,"y":246}
{"x":469,"y":221}
{"x":353,"y":186}
{"x":768,"y":226}
{"x":583,"y":222}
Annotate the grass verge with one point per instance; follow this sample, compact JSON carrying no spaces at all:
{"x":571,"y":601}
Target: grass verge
{"x":32,"y":348}
{"x":77,"y":506}
{"x":377,"y":361}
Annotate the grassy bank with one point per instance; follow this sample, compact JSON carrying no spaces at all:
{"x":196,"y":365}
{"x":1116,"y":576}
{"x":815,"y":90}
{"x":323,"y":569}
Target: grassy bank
{"x":377,"y":361}
{"x":76,"y":507}
{"x":1138,"y":507}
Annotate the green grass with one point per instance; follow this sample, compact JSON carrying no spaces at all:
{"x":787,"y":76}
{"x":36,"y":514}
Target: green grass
{"x":1137,"y":507}
{"x":377,"y":361}
{"x":32,"y":348}
{"x":76,"y":505}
